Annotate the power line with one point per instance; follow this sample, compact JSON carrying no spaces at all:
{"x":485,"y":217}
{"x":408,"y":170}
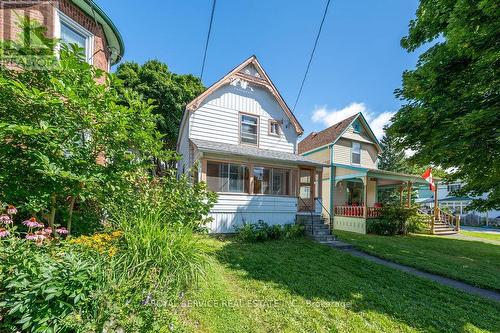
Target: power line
{"x":312,"y":54}
{"x":208,"y":38}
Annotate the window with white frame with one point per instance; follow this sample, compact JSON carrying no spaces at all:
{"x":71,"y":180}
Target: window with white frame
{"x":274,"y":127}
{"x":356,"y":153}
{"x":73,"y":33}
{"x":249,"y":129}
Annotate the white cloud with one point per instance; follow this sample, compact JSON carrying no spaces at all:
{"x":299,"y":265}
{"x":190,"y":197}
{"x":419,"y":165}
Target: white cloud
{"x":332,"y":116}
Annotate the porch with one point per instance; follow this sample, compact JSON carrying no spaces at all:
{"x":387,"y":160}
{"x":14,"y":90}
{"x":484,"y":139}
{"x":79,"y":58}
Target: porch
{"x":356,"y":195}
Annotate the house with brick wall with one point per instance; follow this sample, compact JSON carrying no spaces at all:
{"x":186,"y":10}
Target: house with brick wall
{"x":80,"y":22}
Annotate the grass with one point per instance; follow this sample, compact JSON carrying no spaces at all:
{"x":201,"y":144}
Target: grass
{"x":490,"y":236}
{"x":476,"y":263}
{"x":302,"y":286}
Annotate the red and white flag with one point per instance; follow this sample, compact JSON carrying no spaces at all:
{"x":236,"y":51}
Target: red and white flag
{"x":427,"y":175}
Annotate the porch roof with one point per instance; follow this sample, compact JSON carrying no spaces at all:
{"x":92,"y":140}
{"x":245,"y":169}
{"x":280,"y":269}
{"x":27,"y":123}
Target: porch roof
{"x":253,"y":152}
{"x":395,"y":176}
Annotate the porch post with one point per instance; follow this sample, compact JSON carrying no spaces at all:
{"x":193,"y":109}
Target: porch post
{"x":408,"y":202}
{"x":401,"y":195}
{"x":204,"y":170}
{"x":436,"y":206}
{"x":365,"y":192}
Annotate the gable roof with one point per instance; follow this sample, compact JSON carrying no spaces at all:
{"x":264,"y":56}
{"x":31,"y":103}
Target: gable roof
{"x":332,"y":134}
{"x":262,"y":79}
{"x":326,"y":136}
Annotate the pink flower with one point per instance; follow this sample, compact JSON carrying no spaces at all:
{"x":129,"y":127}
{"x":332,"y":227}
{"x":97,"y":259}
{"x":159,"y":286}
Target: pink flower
{"x":32,"y":223}
{"x":62,"y":231}
{"x":40,"y":236}
{"x":11,"y":210}
{"x":47,"y":230}
{"x":31,"y":237}
{"x":4,"y":233}
{"x":5,"y":219}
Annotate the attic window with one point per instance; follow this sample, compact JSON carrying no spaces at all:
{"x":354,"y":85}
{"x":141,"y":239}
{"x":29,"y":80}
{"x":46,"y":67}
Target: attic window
{"x":274,"y":127}
{"x":356,"y":127}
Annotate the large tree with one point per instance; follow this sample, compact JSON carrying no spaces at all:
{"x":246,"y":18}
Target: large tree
{"x":169,"y":91}
{"x":451,"y":114}
{"x":66,"y":138}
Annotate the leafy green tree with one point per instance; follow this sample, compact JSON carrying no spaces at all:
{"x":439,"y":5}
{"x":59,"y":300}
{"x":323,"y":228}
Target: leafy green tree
{"x":170,"y":93}
{"x":452,"y":112}
{"x":65,"y":137}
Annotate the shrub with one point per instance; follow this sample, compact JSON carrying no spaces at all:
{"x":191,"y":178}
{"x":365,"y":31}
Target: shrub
{"x":42,"y":287}
{"x":261,"y":231}
{"x":419,"y":223}
{"x":394,"y":220}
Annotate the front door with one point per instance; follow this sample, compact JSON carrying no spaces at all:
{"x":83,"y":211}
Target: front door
{"x":306,"y":189}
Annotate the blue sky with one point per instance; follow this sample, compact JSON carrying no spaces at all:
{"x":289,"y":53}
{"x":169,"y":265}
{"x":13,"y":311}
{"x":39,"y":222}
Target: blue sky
{"x":357,"y":65}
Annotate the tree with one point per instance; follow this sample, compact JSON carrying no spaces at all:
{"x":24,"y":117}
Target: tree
{"x":451,"y":114}
{"x":170,"y":93}
{"x":393,"y":157}
{"x":66,"y":137}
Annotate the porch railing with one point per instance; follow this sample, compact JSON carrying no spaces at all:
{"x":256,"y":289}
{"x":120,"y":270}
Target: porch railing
{"x":357,"y":211}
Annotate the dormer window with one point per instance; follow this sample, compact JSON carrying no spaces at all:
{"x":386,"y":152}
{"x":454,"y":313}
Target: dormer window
{"x":274,"y":127}
{"x":248,"y":129}
{"x":356,"y":153}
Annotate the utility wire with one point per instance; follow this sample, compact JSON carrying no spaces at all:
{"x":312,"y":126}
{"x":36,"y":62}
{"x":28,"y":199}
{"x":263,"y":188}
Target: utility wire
{"x":208,"y":38}
{"x":312,"y":54}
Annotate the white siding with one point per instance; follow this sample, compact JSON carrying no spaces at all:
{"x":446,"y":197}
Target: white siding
{"x":217,"y":119}
{"x":185,"y":163}
{"x":233,"y":210}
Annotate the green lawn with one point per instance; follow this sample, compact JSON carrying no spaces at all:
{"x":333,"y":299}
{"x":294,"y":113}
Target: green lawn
{"x":302,"y":286}
{"x":484,"y":235}
{"x":473,"y":262}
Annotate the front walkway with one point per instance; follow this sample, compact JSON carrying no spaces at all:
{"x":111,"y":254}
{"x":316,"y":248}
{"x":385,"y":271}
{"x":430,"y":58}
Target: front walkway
{"x":490,"y":294}
{"x":472,"y":238}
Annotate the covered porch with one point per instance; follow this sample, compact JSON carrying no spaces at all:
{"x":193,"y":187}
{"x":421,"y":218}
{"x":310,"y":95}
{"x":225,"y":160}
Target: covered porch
{"x":356,"y":195}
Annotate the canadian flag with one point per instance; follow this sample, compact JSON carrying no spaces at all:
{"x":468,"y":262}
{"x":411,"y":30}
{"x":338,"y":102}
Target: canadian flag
{"x":427,"y":175}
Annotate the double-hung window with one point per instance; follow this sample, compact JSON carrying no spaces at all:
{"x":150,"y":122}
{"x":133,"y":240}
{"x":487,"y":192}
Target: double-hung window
{"x":356,"y":153}
{"x":274,"y":127}
{"x":227,"y":177}
{"x":249,"y":129}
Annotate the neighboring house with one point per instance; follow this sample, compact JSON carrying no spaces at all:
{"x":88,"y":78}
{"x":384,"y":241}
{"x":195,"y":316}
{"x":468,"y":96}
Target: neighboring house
{"x":79,"y":22}
{"x":455,"y":204}
{"x":241,"y":138}
{"x":352,"y":179}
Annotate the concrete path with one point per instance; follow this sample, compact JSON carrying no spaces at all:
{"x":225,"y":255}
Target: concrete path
{"x":490,"y":294}
{"x":487,"y":230}
{"x":472,"y":238}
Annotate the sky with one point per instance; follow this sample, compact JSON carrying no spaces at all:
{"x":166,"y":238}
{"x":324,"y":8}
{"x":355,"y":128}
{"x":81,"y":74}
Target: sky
{"x":356,"y":68}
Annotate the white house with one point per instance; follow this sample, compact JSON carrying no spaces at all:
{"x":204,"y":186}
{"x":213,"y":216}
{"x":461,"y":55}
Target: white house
{"x":242,"y":137}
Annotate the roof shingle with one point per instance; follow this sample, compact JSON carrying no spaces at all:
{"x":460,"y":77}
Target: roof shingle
{"x":326,"y":136}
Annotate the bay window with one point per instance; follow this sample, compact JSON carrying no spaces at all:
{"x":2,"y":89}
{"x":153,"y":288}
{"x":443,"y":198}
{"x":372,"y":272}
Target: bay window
{"x":73,"y":33}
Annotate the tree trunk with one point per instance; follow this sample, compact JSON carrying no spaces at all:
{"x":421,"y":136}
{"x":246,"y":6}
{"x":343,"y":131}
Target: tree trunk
{"x":70,"y":213}
{"x":52,"y":216}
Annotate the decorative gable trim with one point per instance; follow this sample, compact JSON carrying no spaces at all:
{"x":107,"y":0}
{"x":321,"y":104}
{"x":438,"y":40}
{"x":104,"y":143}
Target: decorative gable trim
{"x":366,"y":125}
{"x":262,"y":80}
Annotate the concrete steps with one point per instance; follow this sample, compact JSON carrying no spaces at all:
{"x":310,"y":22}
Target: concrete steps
{"x":316,"y":228}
